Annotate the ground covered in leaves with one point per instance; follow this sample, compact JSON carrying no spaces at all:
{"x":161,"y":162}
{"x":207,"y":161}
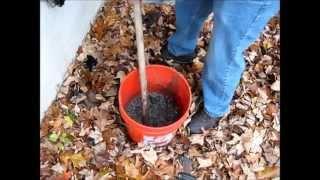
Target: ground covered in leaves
{"x":83,"y":137}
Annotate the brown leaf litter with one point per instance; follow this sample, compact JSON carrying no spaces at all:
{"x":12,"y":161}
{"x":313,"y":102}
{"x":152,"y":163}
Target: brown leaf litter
{"x":83,"y":137}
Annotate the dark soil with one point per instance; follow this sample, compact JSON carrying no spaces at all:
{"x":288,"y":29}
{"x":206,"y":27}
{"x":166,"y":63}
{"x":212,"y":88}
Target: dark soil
{"x":162,"y":110}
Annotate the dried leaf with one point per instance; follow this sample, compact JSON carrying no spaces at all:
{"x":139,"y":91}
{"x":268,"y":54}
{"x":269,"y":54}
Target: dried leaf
{"x":238,"y":148}
{"x":166,"y":9}
{"x":79,"y":99}
{"x":149,"y":175}
{"x":263,"y":93}
{"x":267,"y":44}
{"x":268,"y":172}
{"x":262,"y":75}
{"x":258,"y":68}
{"x":111,"y":92}
{"x":88,"y":175}
{"x":131,"y":170}
{"x":69,"y":80}
{"x":268,"y":69}
{"x":213,"y":155}
{"x":65,"y":157}
{"x":235,"y":140}
{"x":247,"y":171}
{"x":253,"y":140}
{"x":193,"y":152}
{"x":84,"y":131}
{"x":200,"y":42}
{"x":165,"y":156}
{"x":101,"y":155}
{"x":66,"y":175}
{"x":84,"y":88}
{"x":266,"y":59}
{"x":241,"y":106}
{"x":150,"y":156}
{"x":78,"y":160}
{"x":271,"y":158}
{"x":126,"y":41}
{"x":172,"y":26}
{"x":99,"y":148}
{"x":95,"y":135}
{"x":204,"y":162}
{"x":276,"y":85}
{"x":202,"y":52}
{"x":253,"y":157}
{"x":197,"y":65}
{"x":56,"y":126}
{"x":271,"y":109}
{"x":100,"y":97}
{"x":252,"y":55}
{"x":257,"y":139}
{"x":105,"y":106}
{"x":58,"y":168}
{"x":164,"y":168}
{"x":246,"y":76}
{"x":77,"y":109}
{"x":253,"y":88}
{"x":197,"y":139}
{"x":152,"y":43}
{"x":103,"y":119}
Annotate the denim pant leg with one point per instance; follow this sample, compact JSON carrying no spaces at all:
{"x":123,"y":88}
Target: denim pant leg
{"x":190,"y":15}
{"x":237,"y":24}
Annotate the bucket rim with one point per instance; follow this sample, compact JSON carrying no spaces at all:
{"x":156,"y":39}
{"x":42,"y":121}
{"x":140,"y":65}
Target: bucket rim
{"x":182,"y":118}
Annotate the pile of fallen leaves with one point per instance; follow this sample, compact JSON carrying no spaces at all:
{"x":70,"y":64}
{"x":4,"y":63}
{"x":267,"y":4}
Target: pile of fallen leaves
{"x":83,"y":137}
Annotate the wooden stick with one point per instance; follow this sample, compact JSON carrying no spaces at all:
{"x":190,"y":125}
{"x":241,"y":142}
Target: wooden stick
{"x":141,"y":57}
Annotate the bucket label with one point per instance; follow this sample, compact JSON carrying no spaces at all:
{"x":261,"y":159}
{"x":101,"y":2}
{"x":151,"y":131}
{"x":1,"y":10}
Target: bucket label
{"x":158,"y":140}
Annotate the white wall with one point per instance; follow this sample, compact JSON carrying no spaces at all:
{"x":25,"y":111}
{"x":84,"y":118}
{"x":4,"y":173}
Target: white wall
{"x":62,"y":30}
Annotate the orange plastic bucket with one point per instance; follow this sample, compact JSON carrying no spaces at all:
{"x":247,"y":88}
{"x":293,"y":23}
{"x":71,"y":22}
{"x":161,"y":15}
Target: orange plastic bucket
{"x":161,"y":79}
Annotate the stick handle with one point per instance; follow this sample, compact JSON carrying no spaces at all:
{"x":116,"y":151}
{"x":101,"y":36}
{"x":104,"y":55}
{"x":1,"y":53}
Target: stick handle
{"x":141,"y":57}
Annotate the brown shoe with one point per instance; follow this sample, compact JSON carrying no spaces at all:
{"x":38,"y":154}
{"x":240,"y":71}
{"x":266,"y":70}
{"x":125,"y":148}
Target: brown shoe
{"x":202,"y":120}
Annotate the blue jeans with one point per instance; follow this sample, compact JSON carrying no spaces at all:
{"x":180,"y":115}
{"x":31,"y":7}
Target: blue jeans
{"x":237,"y":23}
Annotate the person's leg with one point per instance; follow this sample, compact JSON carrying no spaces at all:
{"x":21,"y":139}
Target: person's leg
{"x":237,"y":24}
{"x":190,"y":15}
